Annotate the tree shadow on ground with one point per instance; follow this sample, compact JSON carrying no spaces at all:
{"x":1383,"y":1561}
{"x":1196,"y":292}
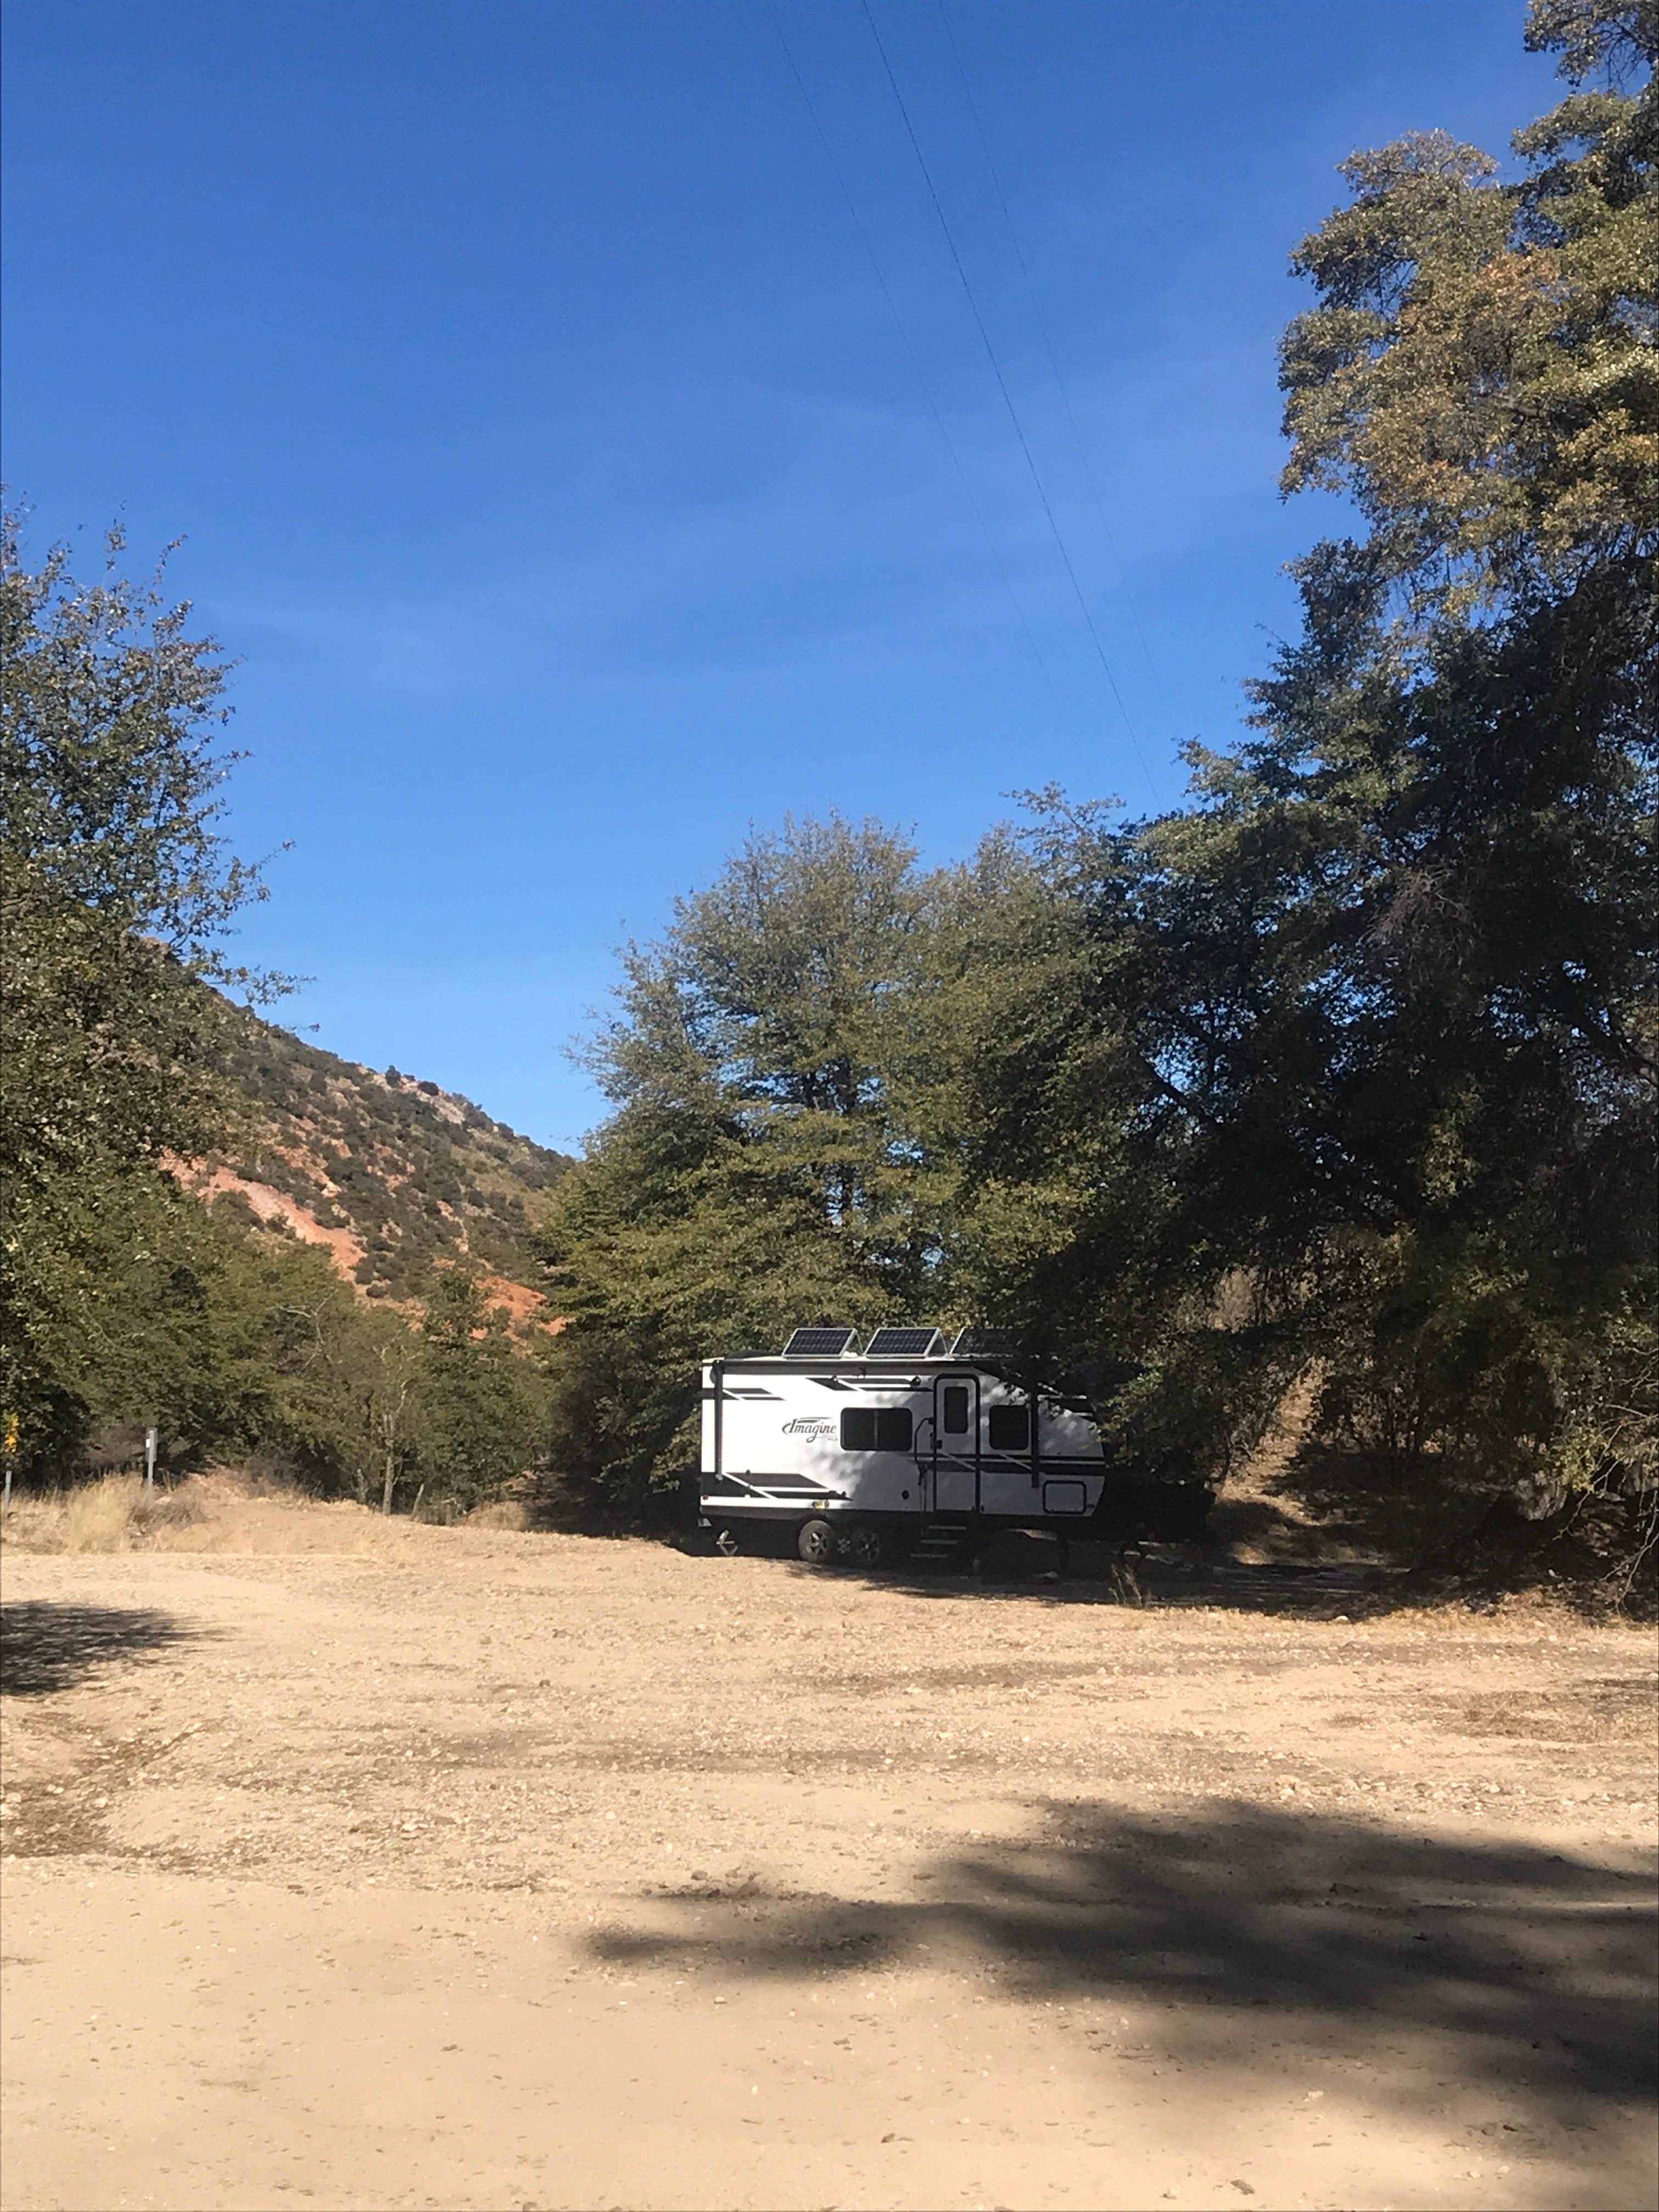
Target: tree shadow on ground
{"x":1505,"y":1962}
{"x":1162,"y":1578}
{"x":45,"y":1646}
{"x":1408,"y":1510}
{"x":1290,"y":1535}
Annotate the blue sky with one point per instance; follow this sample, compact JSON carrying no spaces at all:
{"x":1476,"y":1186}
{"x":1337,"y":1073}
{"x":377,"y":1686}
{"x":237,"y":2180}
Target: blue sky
{"x":546,"y":445}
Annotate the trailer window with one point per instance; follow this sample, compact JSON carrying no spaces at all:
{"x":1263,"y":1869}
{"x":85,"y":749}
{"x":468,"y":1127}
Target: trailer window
{"x":876,"y":1428}
{"x":953,"y":1402}
{"x":1008,"y":1428}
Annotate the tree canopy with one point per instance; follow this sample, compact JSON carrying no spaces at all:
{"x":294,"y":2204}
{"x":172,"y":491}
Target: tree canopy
{"x":125,"y":1300}
{"x":1370,"y":1026}
{"x":765,"y":1164}
{"x":1345,"y":1067}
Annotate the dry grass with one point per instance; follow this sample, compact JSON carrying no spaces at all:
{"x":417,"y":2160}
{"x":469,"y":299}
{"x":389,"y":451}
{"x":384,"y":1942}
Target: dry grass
{"x":500,"y":1513}
{"x":224,"y":1511}
{"x":115,"y":1514}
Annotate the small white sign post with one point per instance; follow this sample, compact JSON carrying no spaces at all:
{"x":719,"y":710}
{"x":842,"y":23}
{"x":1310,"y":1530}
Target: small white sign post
{"x":152,"y":1438}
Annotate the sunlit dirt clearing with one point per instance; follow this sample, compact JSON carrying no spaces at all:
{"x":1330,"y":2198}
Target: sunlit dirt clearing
{"x":506,"y":1869}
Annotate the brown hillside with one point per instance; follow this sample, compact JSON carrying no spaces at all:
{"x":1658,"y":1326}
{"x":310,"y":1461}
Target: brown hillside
{"x":392,"y":1175}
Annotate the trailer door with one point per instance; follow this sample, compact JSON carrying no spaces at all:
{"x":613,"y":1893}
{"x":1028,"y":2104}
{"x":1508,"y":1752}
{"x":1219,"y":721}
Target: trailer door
{"x":955,"y":1481}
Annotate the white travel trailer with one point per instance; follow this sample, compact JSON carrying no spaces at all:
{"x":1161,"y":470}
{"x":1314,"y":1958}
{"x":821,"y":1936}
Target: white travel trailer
{"x":916,"y":1442}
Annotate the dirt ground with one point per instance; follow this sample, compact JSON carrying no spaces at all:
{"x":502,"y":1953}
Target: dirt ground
{"x":365,"y":1867}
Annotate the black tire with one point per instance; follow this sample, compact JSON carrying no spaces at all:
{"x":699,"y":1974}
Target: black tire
{"x":817,"y":1542}
{"x":867,"y":1546}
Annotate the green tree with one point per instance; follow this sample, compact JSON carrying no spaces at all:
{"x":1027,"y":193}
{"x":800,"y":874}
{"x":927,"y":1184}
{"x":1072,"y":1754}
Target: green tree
{"x":771,"y":1157}
{"x":125,"y":1300}
{"x":1353,"y":1057}
{"x":475,"y":1420}
{"x":116,"y":894}
{"x":235,"y":1341}
{"x":1480,"y":371}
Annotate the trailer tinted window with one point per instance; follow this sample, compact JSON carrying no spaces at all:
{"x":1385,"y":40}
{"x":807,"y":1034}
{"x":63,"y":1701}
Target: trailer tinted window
{"x":1008,"y":1428}
{"x":876,"y":1428}
{"x":953,"y":1409}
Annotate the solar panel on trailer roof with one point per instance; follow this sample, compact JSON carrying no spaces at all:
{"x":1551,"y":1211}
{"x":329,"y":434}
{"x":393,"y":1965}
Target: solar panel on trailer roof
{"x":818,"y":1343}
{"x":910,"y":1343}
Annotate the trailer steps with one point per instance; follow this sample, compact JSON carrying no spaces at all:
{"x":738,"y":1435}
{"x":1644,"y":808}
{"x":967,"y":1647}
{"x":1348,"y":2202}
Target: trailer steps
{"x":941,"y":1543}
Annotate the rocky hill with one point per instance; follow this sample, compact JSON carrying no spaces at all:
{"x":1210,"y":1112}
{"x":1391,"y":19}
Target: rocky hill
{"x":392,"y":1174}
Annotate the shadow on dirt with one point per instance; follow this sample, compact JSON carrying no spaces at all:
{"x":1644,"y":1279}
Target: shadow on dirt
{"x":1595,"y":1548}
{"x":45,"y":1647}
{"x":1505,"y":1962}
{"x":1158,"y":1580}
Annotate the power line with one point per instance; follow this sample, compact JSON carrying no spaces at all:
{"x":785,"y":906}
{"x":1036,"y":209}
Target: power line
{"x":909,"y":347}
{"x":1002,"y":387}
{"x":1048,"y":342}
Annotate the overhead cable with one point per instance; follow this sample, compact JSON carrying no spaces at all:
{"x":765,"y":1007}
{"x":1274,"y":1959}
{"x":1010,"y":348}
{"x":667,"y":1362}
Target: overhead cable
{"x":1048,"y":342}
{"x":909,"y":347}
{"x":1002,"y":387}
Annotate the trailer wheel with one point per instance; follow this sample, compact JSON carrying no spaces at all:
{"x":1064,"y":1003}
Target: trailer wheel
{"x":867,"y":1546}
{"x":817,"y":1542}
